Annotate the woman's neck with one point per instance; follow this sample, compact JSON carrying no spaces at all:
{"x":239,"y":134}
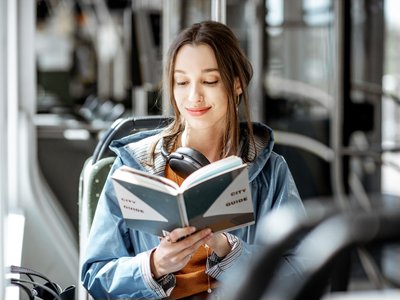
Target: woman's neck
{"x":206,"y":141}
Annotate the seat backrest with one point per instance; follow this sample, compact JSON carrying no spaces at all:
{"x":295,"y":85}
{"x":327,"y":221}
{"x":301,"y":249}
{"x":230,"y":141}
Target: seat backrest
{"x":97,"y":167}
{"x":91,"y":183}
{"x":124,"y":127}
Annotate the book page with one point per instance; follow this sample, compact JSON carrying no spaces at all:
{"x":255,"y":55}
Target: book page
{"x":146,"y":179}
{"x":146,"y":208}
{"x":132,"y":207}
{"x":221,"y":203}
{"x":211,"y":170}
{"x":235,"y":199}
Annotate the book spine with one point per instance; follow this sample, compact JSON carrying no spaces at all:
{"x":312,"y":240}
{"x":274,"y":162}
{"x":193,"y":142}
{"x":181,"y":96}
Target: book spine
{"x":182,"y":210}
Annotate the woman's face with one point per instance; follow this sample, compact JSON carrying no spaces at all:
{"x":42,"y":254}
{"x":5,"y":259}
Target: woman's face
{"x":199,"y":92}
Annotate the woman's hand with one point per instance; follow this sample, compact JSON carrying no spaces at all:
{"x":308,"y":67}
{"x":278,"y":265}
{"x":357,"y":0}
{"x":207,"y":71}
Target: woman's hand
{"x":219,"y":244}
{"x":176,"y":249}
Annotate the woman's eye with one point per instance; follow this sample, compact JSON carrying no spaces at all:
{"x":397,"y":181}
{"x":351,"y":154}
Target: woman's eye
{"x":181,"y":82}
{"x":211,"y":82}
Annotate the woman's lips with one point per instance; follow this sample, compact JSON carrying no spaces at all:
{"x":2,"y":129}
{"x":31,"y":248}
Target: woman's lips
{"x":197,"y":111}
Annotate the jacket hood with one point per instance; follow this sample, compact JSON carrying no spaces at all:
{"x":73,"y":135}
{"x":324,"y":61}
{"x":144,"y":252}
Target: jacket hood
{"x":264,"y":143}
{"x":129,"y":147}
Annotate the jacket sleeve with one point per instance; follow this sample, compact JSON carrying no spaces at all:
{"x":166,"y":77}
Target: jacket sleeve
{"x":112,"y":268}
{"x":272,"y":189}
{"x":283,"y":193}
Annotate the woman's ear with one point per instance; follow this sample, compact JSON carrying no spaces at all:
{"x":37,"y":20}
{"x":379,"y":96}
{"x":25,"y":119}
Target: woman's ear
{"x":238,"y":87}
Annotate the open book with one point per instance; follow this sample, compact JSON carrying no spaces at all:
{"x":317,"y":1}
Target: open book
{"x":216,"y":196}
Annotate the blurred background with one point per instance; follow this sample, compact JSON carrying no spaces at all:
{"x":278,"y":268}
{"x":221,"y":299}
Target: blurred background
{"x":326,"y":79}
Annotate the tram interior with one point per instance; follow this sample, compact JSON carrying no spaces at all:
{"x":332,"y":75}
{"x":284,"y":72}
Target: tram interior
{"x":326,"y":79}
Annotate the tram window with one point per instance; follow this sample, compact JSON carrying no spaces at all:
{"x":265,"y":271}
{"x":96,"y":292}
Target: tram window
{"x":299,"y":83}
{"x":390,"y":99}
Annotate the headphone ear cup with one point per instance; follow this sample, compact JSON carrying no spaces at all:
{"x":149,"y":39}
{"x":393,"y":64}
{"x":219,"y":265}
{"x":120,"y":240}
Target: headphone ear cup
{"x":194,"y":156}
{"x":184,"y":161}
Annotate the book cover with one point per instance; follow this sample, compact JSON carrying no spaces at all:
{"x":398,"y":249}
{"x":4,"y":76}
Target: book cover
{"x":216,"y":196}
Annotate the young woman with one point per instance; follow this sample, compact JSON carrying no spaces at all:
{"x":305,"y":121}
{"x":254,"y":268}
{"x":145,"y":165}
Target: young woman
{"x":206,"y":77}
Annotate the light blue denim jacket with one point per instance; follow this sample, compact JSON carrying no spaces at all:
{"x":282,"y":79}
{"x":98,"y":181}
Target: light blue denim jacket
{"x":116,"y":262}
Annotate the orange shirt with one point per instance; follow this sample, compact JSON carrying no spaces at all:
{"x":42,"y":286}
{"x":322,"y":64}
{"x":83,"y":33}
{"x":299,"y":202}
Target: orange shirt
{"x":192,"y":279}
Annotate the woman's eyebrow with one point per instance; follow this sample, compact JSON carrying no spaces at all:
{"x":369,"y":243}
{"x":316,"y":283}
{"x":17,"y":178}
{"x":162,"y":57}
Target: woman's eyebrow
{"x":208,"y":70}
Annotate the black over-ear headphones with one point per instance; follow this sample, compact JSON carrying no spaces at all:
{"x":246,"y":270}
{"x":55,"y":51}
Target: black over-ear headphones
{"x":184,"y":160}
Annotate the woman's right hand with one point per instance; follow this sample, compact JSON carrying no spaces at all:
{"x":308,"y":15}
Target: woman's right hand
{"x":176,"y":249}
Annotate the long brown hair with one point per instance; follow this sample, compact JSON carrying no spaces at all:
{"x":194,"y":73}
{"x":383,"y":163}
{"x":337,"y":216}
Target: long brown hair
{"x":232,"y":64}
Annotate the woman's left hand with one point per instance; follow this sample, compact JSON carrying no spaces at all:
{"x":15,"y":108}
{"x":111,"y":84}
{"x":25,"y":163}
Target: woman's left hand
{"x":219,"y":244}
{"x":176,"y":249}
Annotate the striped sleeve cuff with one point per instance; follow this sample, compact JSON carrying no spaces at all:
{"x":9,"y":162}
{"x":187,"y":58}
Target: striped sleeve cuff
{"x":149,"y":280}
{"x":216,"y":269}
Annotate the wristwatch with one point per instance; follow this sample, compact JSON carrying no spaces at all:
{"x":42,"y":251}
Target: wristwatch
{"x":167,"y":281}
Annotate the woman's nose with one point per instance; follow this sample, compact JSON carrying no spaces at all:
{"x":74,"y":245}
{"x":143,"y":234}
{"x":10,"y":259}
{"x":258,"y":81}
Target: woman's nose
{"x":195,"y":94}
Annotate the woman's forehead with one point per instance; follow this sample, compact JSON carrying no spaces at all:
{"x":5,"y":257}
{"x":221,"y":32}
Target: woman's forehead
{"x":199,"y":57}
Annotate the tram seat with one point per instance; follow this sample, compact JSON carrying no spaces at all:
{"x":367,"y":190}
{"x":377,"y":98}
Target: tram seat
{"x":96,"y":168}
